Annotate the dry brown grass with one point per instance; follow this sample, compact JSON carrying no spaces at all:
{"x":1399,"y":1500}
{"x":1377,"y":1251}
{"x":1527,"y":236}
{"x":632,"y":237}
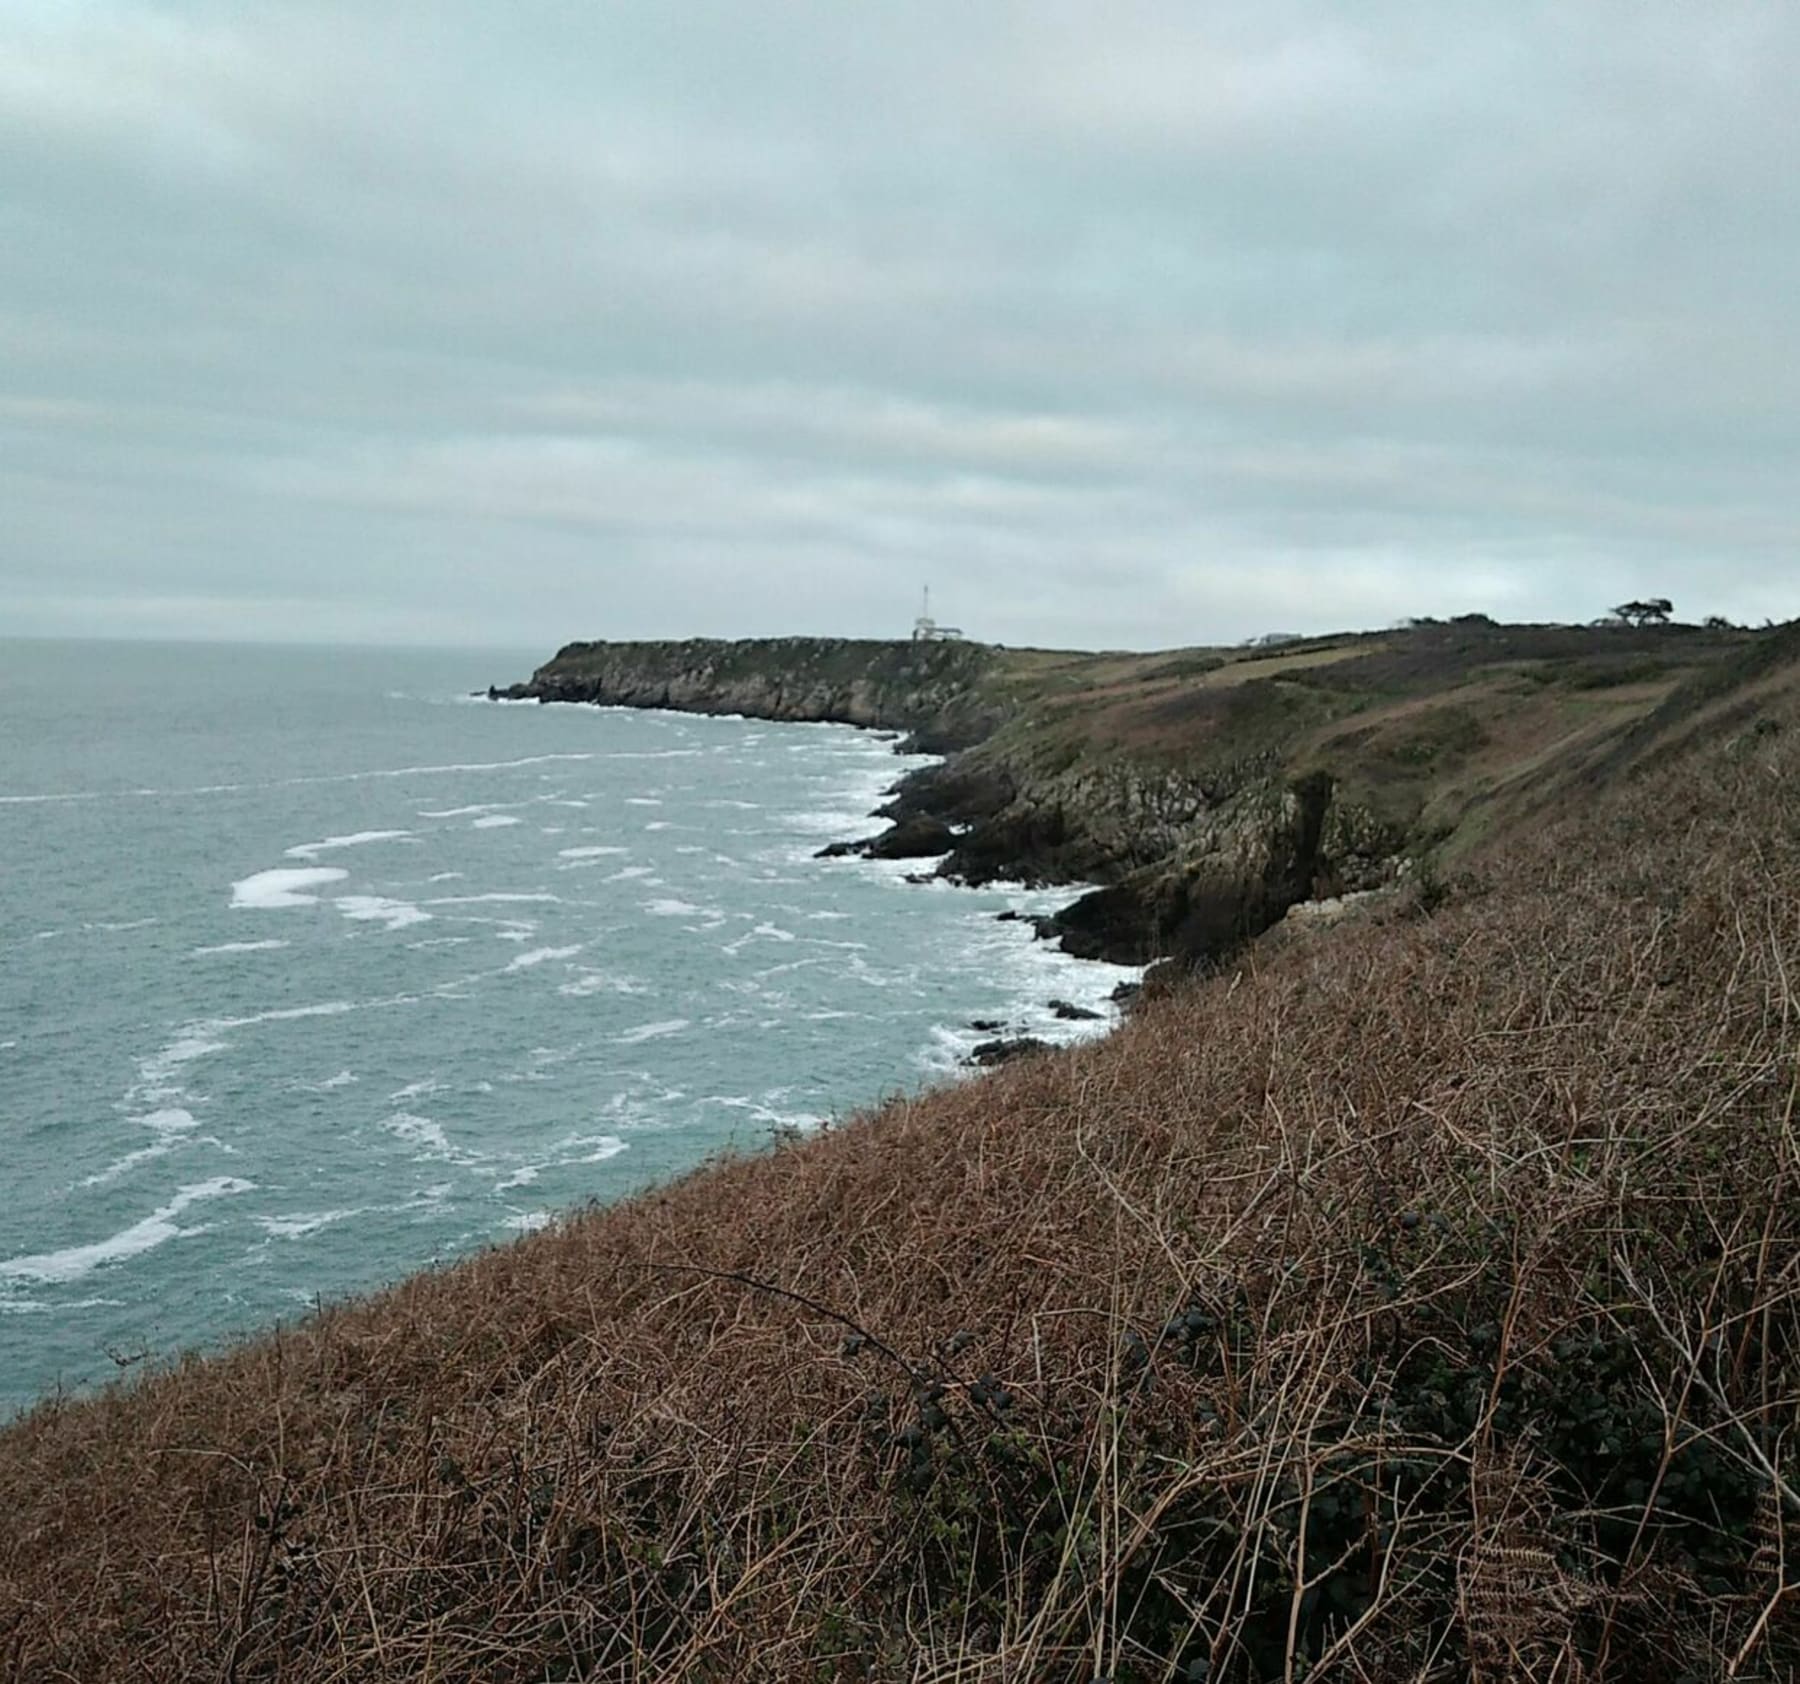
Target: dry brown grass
{"x":1416,"y":1303}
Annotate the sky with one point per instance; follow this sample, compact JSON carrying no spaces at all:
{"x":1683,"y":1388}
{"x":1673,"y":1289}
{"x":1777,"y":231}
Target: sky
{"x":1126,"y":324}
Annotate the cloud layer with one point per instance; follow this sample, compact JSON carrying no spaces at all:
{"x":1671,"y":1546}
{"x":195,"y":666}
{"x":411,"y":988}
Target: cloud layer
{"x":1133,"y":324}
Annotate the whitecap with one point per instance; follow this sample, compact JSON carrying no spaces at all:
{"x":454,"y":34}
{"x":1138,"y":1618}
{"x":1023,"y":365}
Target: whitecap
{"x":395,"y":914}
{"x":237,"y":947}
{"x":588,"y":853}
{"x":157,"y":1084}
{"x":301,"y":1223}
{"x":671,"y":909}
{"x":653,"y":1031}
{"x":495,"y":821}
{"x":131,"y":1160}
{"x":356,"y":839}
{"x":291,"y":1014}
{"x":600,"y":1147}
{"x":159,"y":1226}
{"x":414,"y":1090}
{"x":268,"y":890}
{"x":419,"y":1131}
{"x":542,"y":955}
{"x":598,"y":982}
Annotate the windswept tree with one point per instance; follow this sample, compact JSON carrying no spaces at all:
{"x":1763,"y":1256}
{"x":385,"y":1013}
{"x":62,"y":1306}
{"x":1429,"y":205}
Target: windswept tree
{"x":1654,"y":612}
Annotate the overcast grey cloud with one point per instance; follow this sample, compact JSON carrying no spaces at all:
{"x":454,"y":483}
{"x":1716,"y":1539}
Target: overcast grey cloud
{"x":1129,"y":324}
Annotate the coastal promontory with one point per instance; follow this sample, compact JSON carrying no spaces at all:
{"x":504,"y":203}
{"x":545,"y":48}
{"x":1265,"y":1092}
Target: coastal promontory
{"x":1200,"y":792}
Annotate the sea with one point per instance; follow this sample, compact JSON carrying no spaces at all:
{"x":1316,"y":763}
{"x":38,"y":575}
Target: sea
{"x":318,"y":968}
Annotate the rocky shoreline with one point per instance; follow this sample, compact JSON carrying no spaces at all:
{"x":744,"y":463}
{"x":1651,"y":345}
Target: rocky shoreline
{"x":1186,"y":866}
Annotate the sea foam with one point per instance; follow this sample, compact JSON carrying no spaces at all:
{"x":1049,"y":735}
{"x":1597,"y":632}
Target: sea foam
{"x":268,"y":890}
{"x":356,"y":839}
{"x":159,"y":1226}
{"x":379,"y":909}
{"x":542,"y":955}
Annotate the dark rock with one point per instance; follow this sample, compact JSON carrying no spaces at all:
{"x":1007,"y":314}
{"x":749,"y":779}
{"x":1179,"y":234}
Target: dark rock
{"x":987,"y":1025}
{"x":1126,"y":993}
{"x":910,"y":839}
{"x":1115,"y":923}
{"x":846,"y":850}
{"x":1070,"y":1013}
{"x":913,"y":839}
{"x":990,"y":1053}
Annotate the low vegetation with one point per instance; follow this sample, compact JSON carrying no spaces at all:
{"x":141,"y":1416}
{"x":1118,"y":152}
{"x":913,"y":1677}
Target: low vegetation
{"x":1417,"y":1298}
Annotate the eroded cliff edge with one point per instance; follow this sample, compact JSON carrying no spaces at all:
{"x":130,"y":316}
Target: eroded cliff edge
{"x":1204,"y":791}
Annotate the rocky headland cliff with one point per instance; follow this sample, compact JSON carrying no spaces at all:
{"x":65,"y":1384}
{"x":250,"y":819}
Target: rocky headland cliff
{"x":1204,"y":792}
{"x":933,"y":692}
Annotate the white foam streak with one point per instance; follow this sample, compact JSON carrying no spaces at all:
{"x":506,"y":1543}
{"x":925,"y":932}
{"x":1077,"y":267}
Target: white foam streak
{"x":379,"y":909}
{"x":267,"y":891}
{"x":158,"y":1227}
{"x":60,"y":796}
{"x":540,"y":956}
{"x":356,"y":839}
{"x":301,"y":1223}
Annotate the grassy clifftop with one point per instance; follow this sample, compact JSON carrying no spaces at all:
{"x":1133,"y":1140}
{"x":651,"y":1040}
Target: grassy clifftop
{"x":1210,"y":790}
{"x":1415,"y":1299}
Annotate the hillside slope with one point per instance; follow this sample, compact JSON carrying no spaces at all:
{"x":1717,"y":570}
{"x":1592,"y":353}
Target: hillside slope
{"x":1417,"y":1299}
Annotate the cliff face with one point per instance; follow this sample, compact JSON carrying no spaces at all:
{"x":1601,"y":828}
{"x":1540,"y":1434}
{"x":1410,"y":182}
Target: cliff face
{"x":931,"y":691}
{"x":1191,"y":865}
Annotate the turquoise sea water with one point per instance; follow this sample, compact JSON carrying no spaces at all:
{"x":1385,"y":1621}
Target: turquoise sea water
{"x":314,"y":970}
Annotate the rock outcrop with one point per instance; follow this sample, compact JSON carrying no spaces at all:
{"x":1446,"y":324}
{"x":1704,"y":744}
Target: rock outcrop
{"x":931,"y":691}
